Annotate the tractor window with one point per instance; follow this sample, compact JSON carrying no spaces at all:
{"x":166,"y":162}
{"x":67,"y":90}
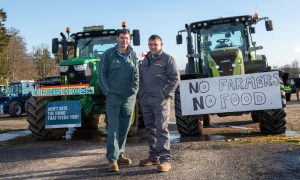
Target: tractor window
{"x":94,"y":46}
{"x":220,"y":36}
{"x":15,"y":88}
{"x":28,"y":87}
{"x":224,"y":35}
{"x":2,"y":89}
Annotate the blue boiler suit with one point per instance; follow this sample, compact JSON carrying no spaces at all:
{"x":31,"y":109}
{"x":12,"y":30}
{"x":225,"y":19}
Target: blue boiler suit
{"x":119,"y":81}
{"x":159,"y":79}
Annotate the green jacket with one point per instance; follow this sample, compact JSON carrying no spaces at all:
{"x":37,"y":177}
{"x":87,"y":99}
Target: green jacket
{"x":119,"y":72}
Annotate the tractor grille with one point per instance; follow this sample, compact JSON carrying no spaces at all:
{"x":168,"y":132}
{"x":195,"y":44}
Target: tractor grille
{"x":225,"y":59}
{"x":78,"y":77}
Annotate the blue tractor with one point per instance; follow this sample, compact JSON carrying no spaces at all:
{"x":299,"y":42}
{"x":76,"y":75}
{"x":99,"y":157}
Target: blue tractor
{"x":2,"y":89}
{"x":13,"y":101}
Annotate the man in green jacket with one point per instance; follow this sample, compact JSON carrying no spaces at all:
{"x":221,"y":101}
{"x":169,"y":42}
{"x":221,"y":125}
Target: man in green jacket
{"x":119,"y":80}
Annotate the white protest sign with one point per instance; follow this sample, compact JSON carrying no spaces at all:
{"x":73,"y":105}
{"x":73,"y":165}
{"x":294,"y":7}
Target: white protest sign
{"x":248,"y":92}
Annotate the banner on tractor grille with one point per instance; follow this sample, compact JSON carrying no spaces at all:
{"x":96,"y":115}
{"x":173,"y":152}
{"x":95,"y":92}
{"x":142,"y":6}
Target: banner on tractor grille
{"x":258,"y":91}
{"x":63,"y":114}
{"x":63,"y":90}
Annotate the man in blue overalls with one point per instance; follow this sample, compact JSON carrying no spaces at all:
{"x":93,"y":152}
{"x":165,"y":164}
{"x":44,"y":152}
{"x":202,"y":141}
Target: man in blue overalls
{"x":118,"y":78}
{"x":159,"y":79}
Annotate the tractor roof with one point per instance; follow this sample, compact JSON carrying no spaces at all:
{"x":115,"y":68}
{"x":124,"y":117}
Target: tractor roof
{"x":95,"y":33}
{"x":22,"y":81}
{"x":235,"y":19}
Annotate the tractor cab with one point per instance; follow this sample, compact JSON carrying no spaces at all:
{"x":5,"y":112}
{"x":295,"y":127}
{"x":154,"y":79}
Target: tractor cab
{"x":14,"y":99}
{"x":20,"y":89}
{"x":222,"y":46}
{"x":2,"y":89}
{"x":87,"y":48}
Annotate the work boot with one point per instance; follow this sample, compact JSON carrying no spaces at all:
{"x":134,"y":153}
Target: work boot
{"x":124,"y":160}
{"x":164,"y":167}
{"x":148,"y":162}
{"x":113,"y":167}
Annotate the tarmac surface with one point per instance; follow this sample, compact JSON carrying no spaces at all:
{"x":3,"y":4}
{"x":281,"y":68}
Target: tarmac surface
{"x":231,"y":148}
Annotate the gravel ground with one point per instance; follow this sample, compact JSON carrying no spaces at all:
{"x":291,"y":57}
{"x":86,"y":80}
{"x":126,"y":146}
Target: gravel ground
{"x":191,"y":160}
{"x":231,"y":148}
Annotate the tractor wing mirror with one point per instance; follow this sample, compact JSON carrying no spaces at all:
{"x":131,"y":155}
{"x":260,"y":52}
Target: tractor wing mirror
{"x":252,"y":30}
{"x":269,"y":25}
{"x":55,"y":45}
{"x":136,"y":37}
{"x":179,"y":39}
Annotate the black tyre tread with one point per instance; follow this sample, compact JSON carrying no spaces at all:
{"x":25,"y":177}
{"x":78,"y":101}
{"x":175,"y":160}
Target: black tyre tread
{"x":206,"y":120}
{"x":12,"y":111}
{"x":186,"y":125}
{"x":90,"y":123}
{"x":288,"y":96}
{"x":255,"y":115}
{"x":36,"y":120}
{"x":273,"y":121}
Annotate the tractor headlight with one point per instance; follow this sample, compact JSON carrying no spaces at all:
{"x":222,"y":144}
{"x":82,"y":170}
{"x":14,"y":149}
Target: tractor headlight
{"x":81,"y":67}
{"x":233,"y":65}
{"x":217,"y":67}
{"x":63,"y":68}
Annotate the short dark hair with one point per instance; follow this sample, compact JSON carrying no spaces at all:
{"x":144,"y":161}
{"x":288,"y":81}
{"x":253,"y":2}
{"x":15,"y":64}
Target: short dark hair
{"x":123,"y":31}
{"x":154,"y":37}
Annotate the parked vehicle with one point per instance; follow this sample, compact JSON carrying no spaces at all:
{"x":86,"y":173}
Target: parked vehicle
{"x":224,"y":47}
{"x":14,"y":100}
{"x":289,"y":86}
{"x":76,"y":87}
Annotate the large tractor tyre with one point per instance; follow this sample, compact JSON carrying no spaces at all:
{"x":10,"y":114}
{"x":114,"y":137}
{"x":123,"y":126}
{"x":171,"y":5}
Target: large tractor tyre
{"x":36,"y":119}
{"x":15,"y":109}
{"x":186,"y":125}
{"x":273,"y":121}
{"x":206,"y":120}
{"x":134,"y":128}
{"x":255,"y":115}
{"x":90,"y":123}
{"x":288,"y":96}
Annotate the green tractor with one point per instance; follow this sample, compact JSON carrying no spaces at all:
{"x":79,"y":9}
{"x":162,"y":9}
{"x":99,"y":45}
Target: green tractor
{"x":224,"y":47}
{"x":74,"y":99}
{"x":289,"y":86}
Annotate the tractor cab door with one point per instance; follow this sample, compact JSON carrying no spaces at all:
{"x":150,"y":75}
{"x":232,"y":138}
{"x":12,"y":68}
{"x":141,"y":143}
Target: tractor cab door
{"x":27,"y":90}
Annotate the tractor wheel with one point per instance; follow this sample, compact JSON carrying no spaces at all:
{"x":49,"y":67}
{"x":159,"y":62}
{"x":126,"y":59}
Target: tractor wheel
{"x":133,"y":131}
{"x":36,"y":119}
{"x":186,"y":125}
{"x":206,"y":120}
{"x":255,"y":115}
{"x":90,"y":123}
{"x":288,"y":96}
{"x":273,"y":121}
{"x":15,"y":109}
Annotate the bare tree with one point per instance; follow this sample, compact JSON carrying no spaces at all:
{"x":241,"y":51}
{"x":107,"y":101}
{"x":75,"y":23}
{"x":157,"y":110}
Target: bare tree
{"x":294,"y":69}
{"x":46,"y":65}
{"x":20,"y":64}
